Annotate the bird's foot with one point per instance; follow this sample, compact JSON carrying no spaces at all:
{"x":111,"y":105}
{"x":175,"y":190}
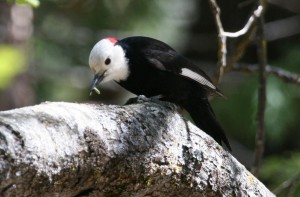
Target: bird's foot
{"x":142,"y":99}
{"x":131,"y":101}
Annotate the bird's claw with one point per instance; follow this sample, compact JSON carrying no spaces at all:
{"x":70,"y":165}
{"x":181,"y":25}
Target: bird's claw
{"x":142,"y":99}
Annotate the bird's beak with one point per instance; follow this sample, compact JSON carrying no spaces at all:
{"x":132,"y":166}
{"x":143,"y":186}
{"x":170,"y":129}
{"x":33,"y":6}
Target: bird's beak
{"x":97,"y":79}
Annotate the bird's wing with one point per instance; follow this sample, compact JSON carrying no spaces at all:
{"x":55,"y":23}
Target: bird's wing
{"x":171,"y":61}
{"x":163,"y":57}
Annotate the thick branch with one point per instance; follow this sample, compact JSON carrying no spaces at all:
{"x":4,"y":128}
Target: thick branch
{"x":145,"y":149}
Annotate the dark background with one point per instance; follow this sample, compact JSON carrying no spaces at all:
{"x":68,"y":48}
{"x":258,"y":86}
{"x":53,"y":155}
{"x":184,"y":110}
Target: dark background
{"x":44,"y":57}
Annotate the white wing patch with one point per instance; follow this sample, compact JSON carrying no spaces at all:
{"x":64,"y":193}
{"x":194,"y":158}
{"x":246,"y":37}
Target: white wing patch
{"x":195,"y":76}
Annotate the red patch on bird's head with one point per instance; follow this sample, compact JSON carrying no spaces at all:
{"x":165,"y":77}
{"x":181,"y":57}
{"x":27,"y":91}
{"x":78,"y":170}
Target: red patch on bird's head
{"x":112,"y":40}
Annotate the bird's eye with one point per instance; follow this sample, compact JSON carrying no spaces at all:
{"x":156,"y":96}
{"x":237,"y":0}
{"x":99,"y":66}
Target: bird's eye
{"x":107,"y":61}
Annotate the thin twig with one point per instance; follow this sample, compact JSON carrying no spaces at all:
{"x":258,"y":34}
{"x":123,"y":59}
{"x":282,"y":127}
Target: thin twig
{"x":288,"y":185}
{"x":222,"y":42}
{"x":256,"y":14}
{"x":282,"y":74}
{"x":240,"y":48}
{"x":222,"y":54}
{"x":260,"y":116}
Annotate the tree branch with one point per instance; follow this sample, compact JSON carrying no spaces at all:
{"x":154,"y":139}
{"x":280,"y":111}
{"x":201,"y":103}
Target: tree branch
{"x":260,"y":116}
{"x":222,"y":41}
{"x":255,"y":20}
{"x":282,"y":74}
{"x":289,"y":185}
{"x":145,"y":149}
{"x":223,"y":35}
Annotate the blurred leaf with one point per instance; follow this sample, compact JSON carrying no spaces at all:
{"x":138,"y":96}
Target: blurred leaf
{"x":278,"y":169}
{"x":237,"y":112}
{"x":279,"y":116}
{"x":11,"y":64}
{"x":32,"y":3}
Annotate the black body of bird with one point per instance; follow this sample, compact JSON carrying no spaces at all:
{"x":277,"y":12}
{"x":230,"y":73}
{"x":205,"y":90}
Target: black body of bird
{"x":153,"y":68}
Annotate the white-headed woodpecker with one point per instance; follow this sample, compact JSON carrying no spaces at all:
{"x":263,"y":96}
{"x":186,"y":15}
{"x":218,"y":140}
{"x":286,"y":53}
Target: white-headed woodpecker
{"x":146,"y":66}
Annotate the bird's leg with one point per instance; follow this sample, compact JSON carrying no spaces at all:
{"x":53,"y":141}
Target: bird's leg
{"x":142,"y":98}
{"x":131,"y":101}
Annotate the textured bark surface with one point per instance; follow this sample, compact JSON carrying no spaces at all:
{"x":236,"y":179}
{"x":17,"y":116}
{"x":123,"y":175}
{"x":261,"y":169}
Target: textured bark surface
{"x":144,"y":149}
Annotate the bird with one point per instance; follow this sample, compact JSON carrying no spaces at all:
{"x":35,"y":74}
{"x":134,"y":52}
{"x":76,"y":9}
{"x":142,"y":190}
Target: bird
{"x":149,"y":67}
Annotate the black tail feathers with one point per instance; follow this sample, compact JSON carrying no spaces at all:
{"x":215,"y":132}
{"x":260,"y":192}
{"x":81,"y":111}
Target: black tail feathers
{"x":204,"y":117}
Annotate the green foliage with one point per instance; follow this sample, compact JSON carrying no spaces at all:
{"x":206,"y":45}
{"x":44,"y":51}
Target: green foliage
{"x":277,"y":169}
{"x":237,"y":112}
{"x":281,"y":121}
{"x":12,"y":62}
{"x":32,"y":3}
{"x":290,"y":58}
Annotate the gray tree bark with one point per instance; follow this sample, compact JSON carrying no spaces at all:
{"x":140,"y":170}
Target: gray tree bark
{"x":144,"y":149}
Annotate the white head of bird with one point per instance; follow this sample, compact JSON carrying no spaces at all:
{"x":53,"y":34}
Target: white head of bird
{"x":108,"y":61}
